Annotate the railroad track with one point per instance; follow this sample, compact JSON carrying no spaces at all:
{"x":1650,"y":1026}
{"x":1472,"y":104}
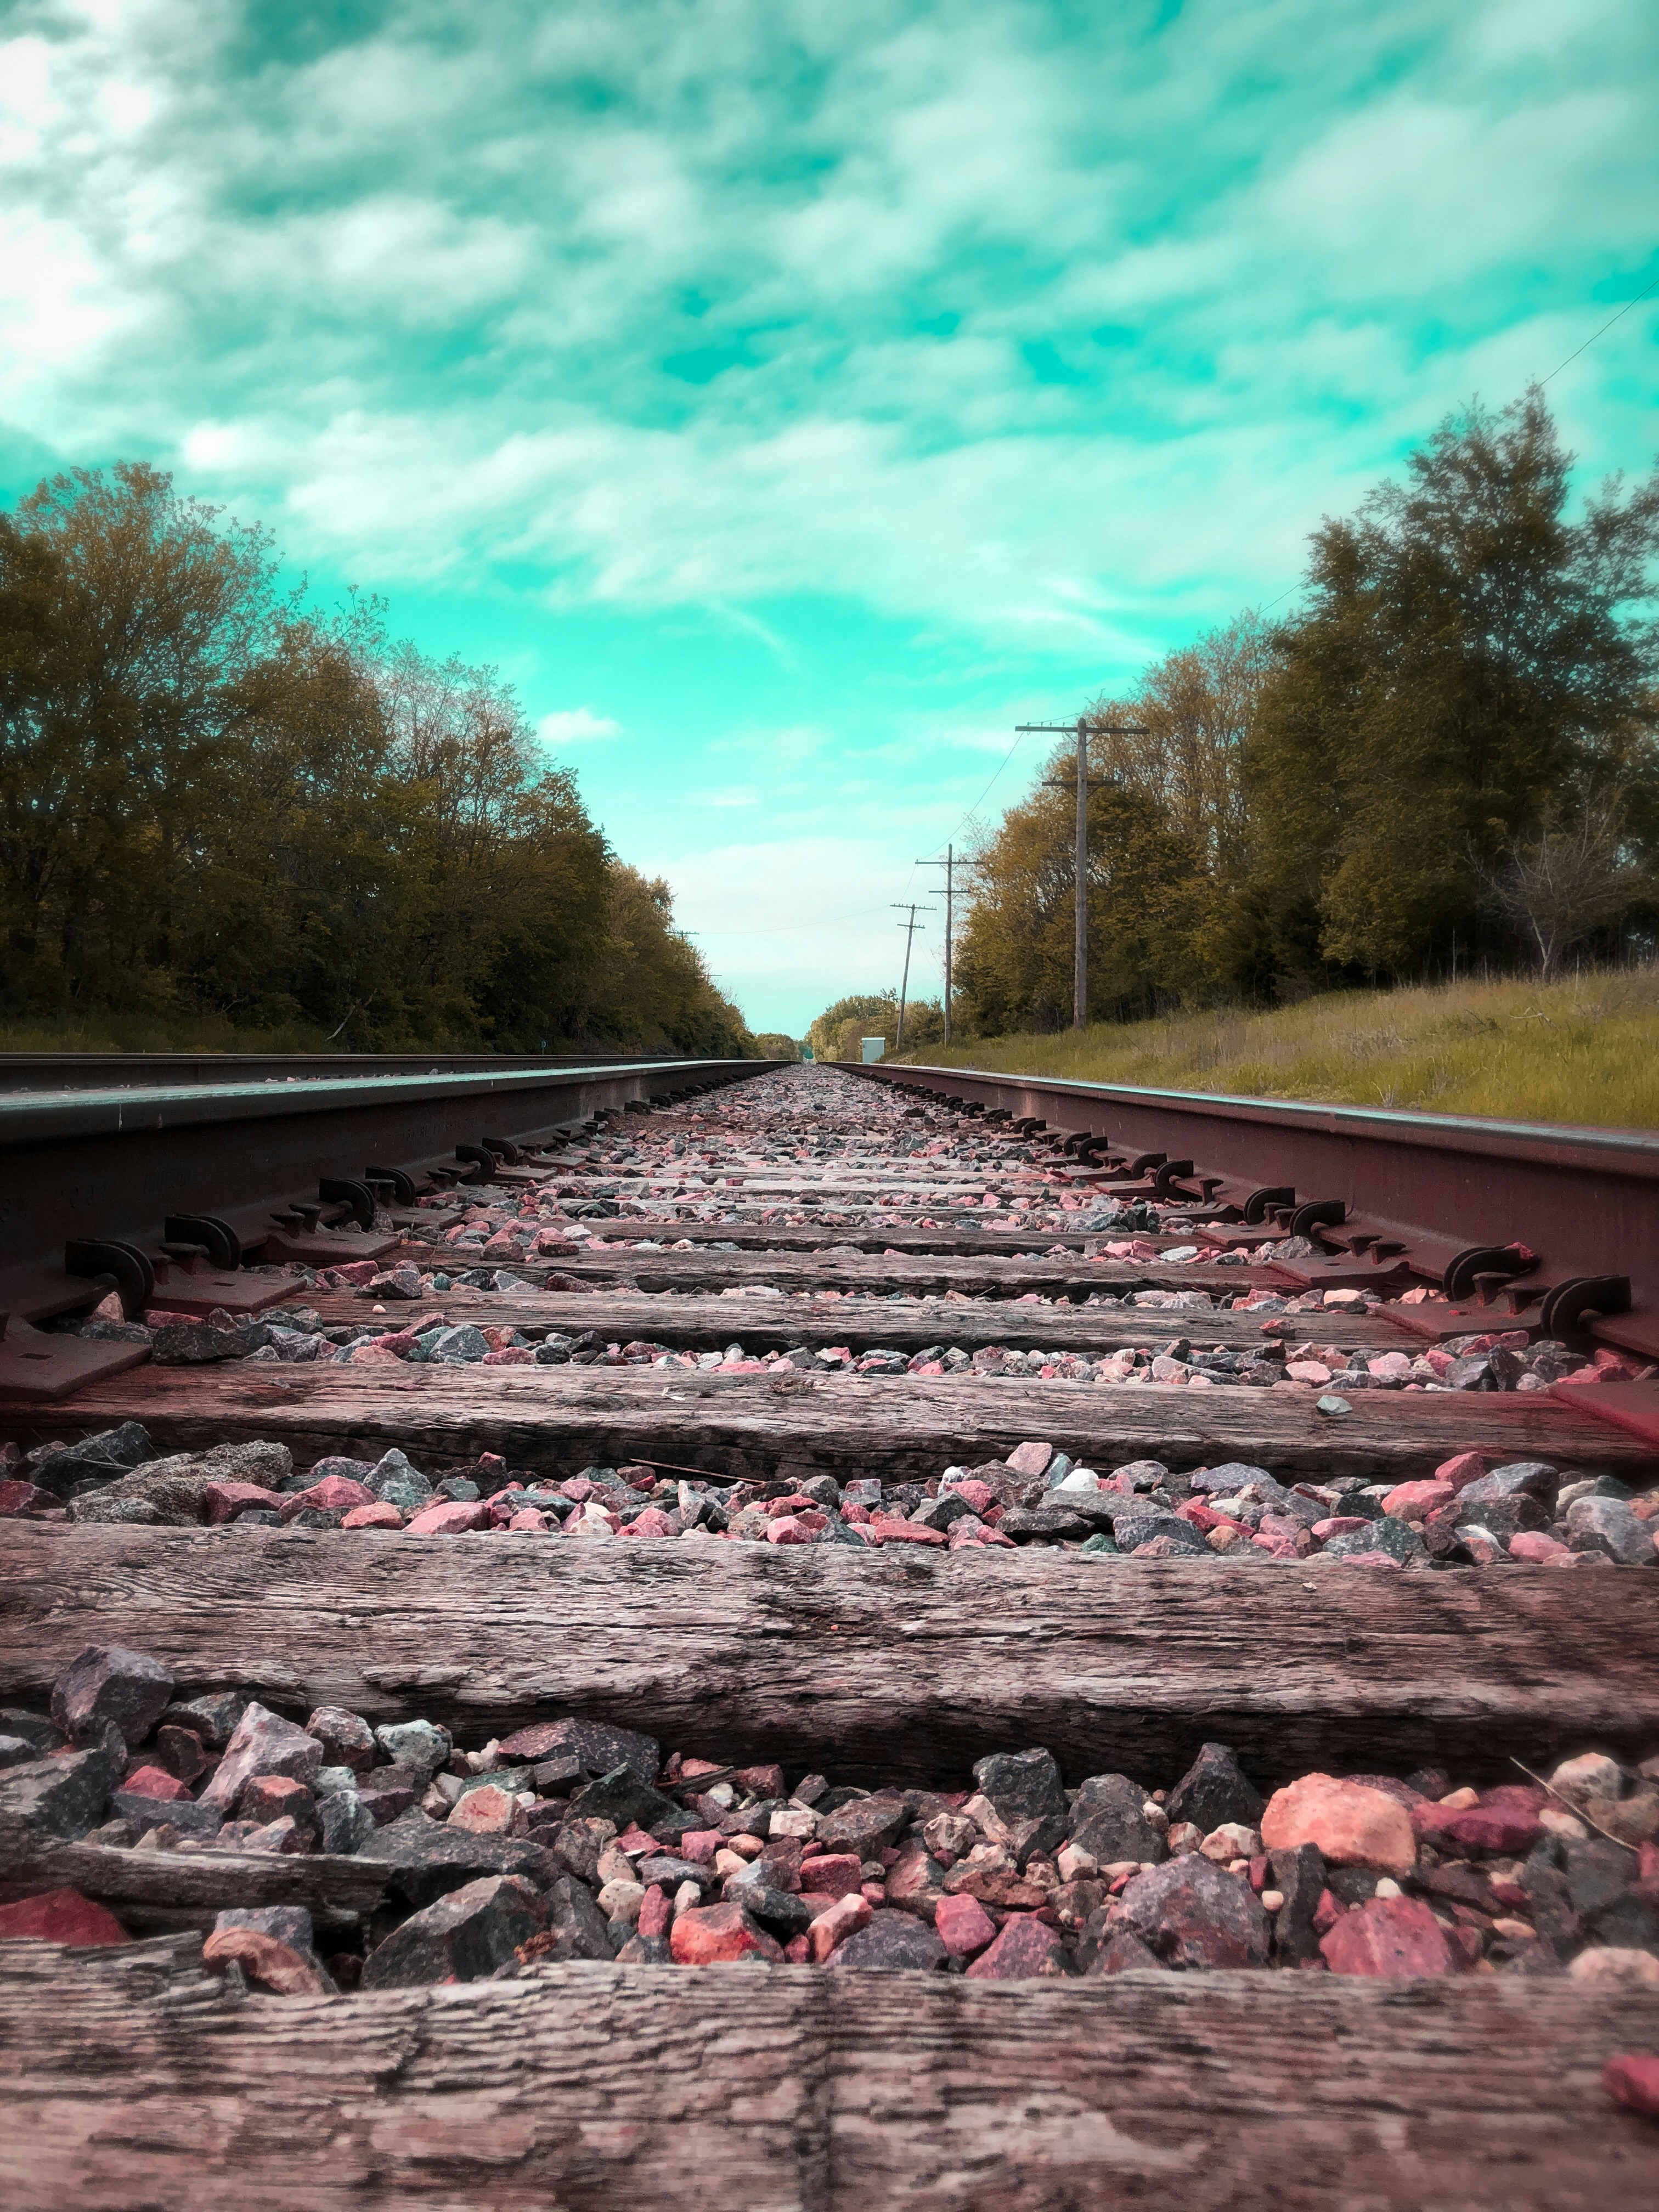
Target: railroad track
{"x":833,"y":1431}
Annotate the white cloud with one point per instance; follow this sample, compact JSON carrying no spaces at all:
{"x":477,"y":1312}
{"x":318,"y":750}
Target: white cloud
{"x":576,"y":725}
{"x":738,"y":307}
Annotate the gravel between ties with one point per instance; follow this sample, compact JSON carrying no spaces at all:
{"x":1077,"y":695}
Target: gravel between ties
{"x":1525,"y":1514}
{"x":572,"y":1840}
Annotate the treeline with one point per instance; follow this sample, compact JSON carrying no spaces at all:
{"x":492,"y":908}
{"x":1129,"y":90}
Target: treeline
{"x":839,"y":1032}
{"x":216,"y":800}
{"x":1446,"y":757}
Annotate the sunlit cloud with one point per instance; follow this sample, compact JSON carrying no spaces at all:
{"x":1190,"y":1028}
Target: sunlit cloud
{"x":576,"y":725}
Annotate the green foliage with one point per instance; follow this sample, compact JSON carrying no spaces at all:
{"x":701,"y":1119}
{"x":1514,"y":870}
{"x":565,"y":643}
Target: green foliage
{"x":1450,"y":751}
{"x":1469,"y":668}
{"x":217,"y":806}
{"x":874,"y":1011}
{"x":839,"y":1032}
{"x":772,"y":1044}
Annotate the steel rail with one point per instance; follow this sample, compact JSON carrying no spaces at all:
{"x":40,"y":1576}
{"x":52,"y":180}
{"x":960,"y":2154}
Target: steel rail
{"x":1536,"y":1221}
{"x":125,"y":1071}
{"x":84,"y":1170}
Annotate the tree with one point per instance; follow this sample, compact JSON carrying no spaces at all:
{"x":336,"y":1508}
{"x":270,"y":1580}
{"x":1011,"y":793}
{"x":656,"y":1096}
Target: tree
{"x":877,"y":1011}
{"x":772,"y":1044}
{"x":215,"y":802}
{"x":1471,"y":662}
{"x":1180,"y":738}
{"x":1148,"y":899}
{"x":1560,"y":887}
{"x":146,"y":618}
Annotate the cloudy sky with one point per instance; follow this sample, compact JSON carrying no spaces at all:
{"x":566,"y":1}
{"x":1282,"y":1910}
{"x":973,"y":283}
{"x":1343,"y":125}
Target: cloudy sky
{"x":790,"y":398}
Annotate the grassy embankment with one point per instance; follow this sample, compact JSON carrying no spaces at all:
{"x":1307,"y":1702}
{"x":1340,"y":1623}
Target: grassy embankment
{"x":1586,"y":1050}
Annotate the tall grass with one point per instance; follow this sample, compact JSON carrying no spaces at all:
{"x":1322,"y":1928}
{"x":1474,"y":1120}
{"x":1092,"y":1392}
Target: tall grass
{"x":1585,"y":1050}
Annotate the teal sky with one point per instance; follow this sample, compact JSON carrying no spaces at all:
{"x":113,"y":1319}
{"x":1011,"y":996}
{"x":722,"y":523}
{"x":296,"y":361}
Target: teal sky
{"x":790,"y":398}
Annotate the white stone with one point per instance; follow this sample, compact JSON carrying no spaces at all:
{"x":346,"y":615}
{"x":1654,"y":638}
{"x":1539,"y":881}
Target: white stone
{"x":1592,"y":1774}
{"x":1622,"y":1969}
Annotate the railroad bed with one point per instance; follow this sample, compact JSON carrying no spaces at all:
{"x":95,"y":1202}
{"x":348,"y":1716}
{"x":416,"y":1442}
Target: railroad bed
{"x":1151,"y":1700}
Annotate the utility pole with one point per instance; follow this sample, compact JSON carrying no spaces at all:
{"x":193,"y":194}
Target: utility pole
{"x":949,"y":866}
{"x":1080,"y":892}
{"x":909,"y":928}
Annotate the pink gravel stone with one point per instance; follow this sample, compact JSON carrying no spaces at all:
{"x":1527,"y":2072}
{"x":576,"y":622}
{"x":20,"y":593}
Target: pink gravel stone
{"x":788,"y":1530}
{"x":653,"y":1522}
{"x":1533,"y":1546}
{"x":379,"y":1515}
{"x":836,"y":1874}
{"x":1465,"y":1468}
{"x":962,"y":1925}
{"x":894,"y":1531}
{"x":224,"y":1500}
{"x":268,"y":1797}
{"x":333,"y":1493}
{"x":655,"y":1912}
{"x":528,"y":1517}
{"x":1388,"y":1936}
{"x":1025,"y":1951}
{"x":17,"y":1498}
{"x":831,"y":1929}
{"x":60,"y":1916}
{"x":155,"y":1782}
{"x":717,"y":1936}
{"x":485,"y":1812}
{"x":1351,"y":1824}
{"x":1412,"y":1501}
{"x":1505,"y":1820}
{"x":1631,"y":2080}
{"x":451,"y":1519}
{"x":979,"y":1495}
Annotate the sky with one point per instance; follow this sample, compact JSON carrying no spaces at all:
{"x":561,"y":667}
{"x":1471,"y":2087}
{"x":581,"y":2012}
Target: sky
{"x":791,"y":399}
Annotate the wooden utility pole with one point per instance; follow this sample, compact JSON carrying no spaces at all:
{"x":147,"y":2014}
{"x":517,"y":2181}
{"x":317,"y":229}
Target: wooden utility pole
{"x":1080,"y":880}
{"x":909,"y":928}
{"x":949,"y":866}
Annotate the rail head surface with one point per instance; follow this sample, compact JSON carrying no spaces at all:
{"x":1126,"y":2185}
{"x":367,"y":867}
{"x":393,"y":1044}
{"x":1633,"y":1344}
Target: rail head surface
{"x":125,"y":1071}
{"x":35,"y":1116}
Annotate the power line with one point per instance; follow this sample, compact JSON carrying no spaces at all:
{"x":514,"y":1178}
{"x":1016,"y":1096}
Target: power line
{"x":990,"y":787}
{"x":1594,"y":335}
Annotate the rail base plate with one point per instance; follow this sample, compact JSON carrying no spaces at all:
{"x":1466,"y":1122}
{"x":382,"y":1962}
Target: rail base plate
{"x":205,"y":1293}
{"x":37,"y":1367}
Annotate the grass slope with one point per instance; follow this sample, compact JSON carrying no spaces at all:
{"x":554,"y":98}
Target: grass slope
{"x":1584,"y":1051}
